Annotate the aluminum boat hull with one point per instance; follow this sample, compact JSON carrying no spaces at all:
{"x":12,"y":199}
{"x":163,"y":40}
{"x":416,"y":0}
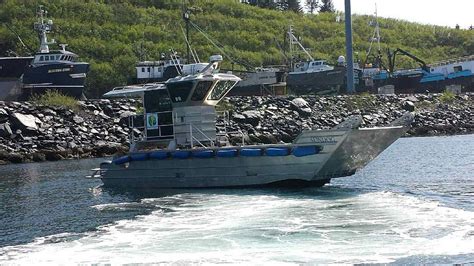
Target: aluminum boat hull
{"x":343,"y":153}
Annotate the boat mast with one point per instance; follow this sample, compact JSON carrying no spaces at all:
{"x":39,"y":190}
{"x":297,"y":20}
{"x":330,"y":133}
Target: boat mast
{"x":293,"y":41}
{"x":43,"y":28}
{"x":350,"y":59}
{"x":375,"y":37}
{"x":186,"y":20}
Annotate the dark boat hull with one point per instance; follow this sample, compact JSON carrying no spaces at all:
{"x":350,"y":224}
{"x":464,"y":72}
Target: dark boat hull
{"x":13,"y":67}
{"x":402,"y":84}
{"x":67,"y":78}
{"x":466,"y":83}
{"x":324,"y":82}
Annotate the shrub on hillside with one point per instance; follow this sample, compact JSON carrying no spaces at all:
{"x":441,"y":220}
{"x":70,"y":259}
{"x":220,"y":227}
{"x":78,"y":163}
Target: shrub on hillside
{"x":55,"y":98}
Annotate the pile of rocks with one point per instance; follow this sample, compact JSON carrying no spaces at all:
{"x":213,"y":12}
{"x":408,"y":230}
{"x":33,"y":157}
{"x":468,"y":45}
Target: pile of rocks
{"x":272,"y":120}
{"x":36,"y":133}
{"x":98,"y":128}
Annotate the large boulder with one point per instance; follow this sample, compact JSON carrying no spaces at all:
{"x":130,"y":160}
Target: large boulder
{"x":3,"y":115}
{"x":301,"y":106}
{"x":26,"y":123}
{"x":77,"y":119}
{"x":5,"y":130}
{"x":252,"y":117}
{"x":409,"y":106}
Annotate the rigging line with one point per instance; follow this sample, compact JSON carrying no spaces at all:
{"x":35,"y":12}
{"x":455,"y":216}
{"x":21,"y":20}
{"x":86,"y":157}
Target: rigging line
{"x":189,"y":45}
{"x":19,"y":38}
{"x":175,"y":62}
{"x":212,"y":42}
{"x":218,"y":47}
{"x":197,"y":56}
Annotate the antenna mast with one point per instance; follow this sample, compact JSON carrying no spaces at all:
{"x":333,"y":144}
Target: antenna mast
{"x":43,"y":28}
{"x":186,"y":17}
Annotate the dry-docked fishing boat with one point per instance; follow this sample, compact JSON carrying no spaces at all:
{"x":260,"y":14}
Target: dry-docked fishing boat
{"x":177,"y":145}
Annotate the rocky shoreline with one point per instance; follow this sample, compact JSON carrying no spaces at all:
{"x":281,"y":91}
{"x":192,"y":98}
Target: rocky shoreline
{"x":97,"y":128}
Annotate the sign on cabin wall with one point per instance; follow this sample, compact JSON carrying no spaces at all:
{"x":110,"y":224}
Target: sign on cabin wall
{"x":152,"y":120}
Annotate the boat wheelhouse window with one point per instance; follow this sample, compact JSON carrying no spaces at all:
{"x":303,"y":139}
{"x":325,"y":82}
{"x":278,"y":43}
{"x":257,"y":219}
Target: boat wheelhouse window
{"x":201,"y":90}
{"x":179,"y":91}
{"x":41,"y":58}
{"x":57,"y":57}
{"x":457,"y":68}
{"x":220,"y":89}
{"x":46,"y":58}
{"x":157,"y":101}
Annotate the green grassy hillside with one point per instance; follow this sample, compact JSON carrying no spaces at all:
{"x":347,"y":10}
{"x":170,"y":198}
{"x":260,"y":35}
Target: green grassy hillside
{"x":114,"y":34}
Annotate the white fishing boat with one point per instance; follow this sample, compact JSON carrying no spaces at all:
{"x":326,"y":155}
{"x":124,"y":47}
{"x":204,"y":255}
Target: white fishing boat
{"x":175,"y":144}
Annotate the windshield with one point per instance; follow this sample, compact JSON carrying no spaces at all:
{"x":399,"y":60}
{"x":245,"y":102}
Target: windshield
{"x":202,"y":88}
{"x":179,"y":91}
{"x":220,"y":89}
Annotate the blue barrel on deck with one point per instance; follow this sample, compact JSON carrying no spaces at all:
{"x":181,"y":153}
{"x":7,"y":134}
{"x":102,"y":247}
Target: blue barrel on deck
{"x":181,"y":154}
{"x":159,"y":155}
{"x":203,"y":154}
{"x":227,"y":153}
{"x":139,"y":156}
{"x":121,"y":159}
{"x":276,"y":151}
{"x":251,"y":152}
{"x":305,"y":150}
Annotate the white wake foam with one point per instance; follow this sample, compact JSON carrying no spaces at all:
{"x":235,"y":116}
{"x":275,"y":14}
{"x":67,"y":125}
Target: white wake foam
{"x":262,"y":229}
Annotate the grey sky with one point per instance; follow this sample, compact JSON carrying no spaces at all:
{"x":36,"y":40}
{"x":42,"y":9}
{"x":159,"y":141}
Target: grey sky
{"x":436,"y":12}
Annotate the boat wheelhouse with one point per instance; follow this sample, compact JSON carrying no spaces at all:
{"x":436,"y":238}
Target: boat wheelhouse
{"x":162,"y":70}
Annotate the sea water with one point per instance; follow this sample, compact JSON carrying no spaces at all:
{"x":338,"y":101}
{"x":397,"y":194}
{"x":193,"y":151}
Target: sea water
{"x":413,"y":204}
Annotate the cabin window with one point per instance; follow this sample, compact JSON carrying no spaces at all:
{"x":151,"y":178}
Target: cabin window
{"x":143,"y":69}
{"x":57,"y":57}
{"x":179,"y":92}
{"x":457,"y":68}
{"x":220,"y":89}
{"x":41,"y":58}
{"x":202,"y":88}
{"x":46,"y":58}
{"x":157,"y":101}
{"x":148,"y":69}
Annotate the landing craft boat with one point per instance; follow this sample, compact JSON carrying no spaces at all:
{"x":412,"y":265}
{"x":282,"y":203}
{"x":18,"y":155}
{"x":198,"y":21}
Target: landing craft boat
{"x":175,"y":145}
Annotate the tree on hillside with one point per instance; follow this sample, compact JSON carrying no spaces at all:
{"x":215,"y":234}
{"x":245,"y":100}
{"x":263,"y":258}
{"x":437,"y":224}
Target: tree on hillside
{"x":294,"y":5}
{"x":327,"y":6}
{"x":290,"y":5}
{"x":312,"y":5}
{"x":270,"y":4}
